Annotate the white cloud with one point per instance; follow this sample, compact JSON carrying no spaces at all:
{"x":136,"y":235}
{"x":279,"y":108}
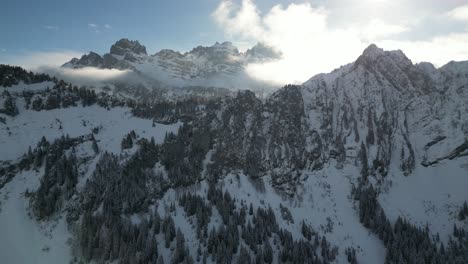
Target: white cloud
{"x":86,"y":75}
{"x":33,"y":60}
{"x":245,"y":21}
{"x":107,"y":26}
{"x":50,"y":62}
{"x":438,"y":50}
{"x":3,"y":50}
{"x":95,"y":73}
{"x":50,"y":27}
{"x":315,"y":39}
{"x":378,"y":28}
{"x":459,"y":13}
{"x":298,"y":30}
{"x":94,"y":28}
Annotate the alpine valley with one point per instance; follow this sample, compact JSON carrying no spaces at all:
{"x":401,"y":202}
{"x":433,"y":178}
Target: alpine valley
{"x":187,"y":161}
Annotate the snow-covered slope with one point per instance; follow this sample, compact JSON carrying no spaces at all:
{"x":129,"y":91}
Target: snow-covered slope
{"x":24,"y":239}
{"x":366,"y":163}
{"x":411,"y":122}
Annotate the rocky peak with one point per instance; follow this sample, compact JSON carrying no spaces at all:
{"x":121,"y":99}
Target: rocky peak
{"x":91,"y":59}
{"x":396,"y":68}
{"x":217,"y":50}
{"x":168,"y":54}
{"x":124,"y":46}
{"x":373,"y":55}
{"x":372,"y":51}
{"x":92,"y":56}
{"x":225,"y":44}
{"x":429,"y":70}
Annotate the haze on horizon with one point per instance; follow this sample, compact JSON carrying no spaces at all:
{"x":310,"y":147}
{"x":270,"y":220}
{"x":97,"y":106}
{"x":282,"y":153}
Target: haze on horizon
{"x":313,"y":36}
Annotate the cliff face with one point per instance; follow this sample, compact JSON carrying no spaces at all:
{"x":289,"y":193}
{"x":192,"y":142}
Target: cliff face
{"x":380,"y":112}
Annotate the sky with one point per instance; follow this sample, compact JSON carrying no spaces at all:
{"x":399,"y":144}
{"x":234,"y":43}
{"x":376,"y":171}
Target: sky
{"x":314,"y":35}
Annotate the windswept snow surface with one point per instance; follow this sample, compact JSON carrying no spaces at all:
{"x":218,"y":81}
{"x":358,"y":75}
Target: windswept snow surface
{"x":23,"y":239}
{"x":431,"y":195}
{"x":27,"y":129}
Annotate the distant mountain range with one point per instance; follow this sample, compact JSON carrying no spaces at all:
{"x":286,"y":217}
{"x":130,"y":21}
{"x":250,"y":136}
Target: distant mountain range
{"x":220,"y":65}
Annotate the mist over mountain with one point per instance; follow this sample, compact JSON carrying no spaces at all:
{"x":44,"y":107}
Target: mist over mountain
{"x":220,"y":65}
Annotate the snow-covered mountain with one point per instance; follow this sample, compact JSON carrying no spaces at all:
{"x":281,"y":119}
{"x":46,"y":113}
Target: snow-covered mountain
{"x":220,"y":65}
{"x":366,"y":164}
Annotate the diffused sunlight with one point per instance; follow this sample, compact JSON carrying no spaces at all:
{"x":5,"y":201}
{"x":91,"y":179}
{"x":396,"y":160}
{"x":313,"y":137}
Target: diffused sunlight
{"x":313,"y":40}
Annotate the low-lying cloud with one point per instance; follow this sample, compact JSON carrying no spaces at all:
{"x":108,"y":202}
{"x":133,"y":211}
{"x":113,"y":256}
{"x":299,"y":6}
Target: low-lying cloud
{"x":320,"y":38}
{"x":87,"y":75}
{"x":50,"y":63}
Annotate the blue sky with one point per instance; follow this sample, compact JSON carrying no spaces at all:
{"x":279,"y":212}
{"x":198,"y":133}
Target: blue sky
{"x":32,"y":25}
{"x":80,"y":25}
{"x":314,"y":35}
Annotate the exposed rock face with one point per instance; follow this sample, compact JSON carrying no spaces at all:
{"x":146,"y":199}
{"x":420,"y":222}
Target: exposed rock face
{"x":378,"y":112}
{"x":125,"y":46}
{"x":262,"y":138}
{"x":219,"y":59}
{"x":391,"y":105}
{"x":91,"y":59}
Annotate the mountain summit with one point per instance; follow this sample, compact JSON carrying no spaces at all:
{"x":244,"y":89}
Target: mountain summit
{"x":125,"y":46}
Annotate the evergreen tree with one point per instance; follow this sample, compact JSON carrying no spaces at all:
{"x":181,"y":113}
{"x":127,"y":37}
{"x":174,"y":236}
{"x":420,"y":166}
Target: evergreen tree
{"x":364,"y":164}
{"x":9,"y":105}
{"x":94,"y":144}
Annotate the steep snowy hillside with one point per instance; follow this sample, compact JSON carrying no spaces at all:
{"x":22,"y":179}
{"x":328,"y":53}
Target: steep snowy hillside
{"x":366,"y":164}
{"x":24,"y":239}
{"x":220,"y":65}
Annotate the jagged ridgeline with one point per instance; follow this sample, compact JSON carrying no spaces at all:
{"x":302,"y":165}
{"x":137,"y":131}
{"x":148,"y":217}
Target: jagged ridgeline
{"x":305,"y":175}
{"x":219,"y":65}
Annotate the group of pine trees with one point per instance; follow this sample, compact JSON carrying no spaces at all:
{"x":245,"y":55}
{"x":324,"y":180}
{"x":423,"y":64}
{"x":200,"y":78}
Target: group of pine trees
{"x":60,"y":95}
{"x":60,"y":176}
{"x":108,"y":236}
{"x":127,"y":141}
{"x":183,"y":153}
{"x":119,"y":188}
{"x":111,"y":196}
{"x":9,"y":104}
{"x":169,"y":112}
{"x":12,"y":75}
{"x":463,"y":213}
{"x":259,"y":232}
